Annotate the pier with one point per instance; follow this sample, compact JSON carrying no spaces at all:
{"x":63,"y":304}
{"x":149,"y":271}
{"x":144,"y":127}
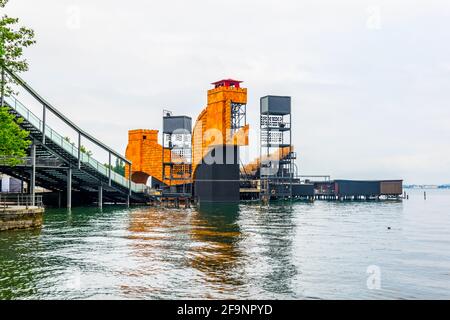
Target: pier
{"x":18,"y":211}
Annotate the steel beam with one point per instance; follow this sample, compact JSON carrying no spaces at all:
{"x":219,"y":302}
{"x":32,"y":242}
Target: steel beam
{"x":44,"y":116}
{"x":100,"y":196}
{"x":2,"y":103}
{"x":109,"y":172}
{"x":69,"y":188}
{"x":129,"y":180}
{"x":33,"y":173}
{"x":79,"y":150}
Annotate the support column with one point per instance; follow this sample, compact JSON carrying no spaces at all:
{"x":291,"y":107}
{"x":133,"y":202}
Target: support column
{"x":79,"y":150}
{"x":44,"y":111}
{"x":129,"y":180}
{"x":2,"y":102}
{"x":69,"y":188}
{"x":33,"y":173}
{"x":129,"y":186}
{"x":109,"y":172}
{"x":100,"y":196}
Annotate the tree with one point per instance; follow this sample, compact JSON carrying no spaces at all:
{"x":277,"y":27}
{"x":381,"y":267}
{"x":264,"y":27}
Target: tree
{"x":83,"y":149}
{"x":119,"y":167}
{"x":13,"y":139}
{"x":13,"y":40}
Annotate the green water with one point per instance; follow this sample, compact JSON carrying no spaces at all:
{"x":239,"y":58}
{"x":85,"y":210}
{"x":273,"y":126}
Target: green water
{"x":315,"y":251}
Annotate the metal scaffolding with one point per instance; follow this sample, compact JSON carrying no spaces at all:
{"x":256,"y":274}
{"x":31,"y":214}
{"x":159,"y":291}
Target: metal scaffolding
{"x":238,"y":116}
{"x":276,"y":153}
{"x":177,"y":167}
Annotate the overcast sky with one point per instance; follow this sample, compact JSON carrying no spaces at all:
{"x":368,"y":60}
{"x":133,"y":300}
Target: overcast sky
{"x":370,"y":80}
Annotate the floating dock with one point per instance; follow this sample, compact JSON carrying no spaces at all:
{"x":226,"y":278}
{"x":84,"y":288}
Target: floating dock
{"x":358,"y":189}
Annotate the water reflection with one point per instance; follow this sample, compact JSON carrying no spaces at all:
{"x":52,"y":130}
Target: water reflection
{"x":158,"y":242}
{"x":172,"y":250}
{"x":277,"y":228}
{"x":206,"y":247}
{"x":18,"y":276}
{"x":217,"y":255}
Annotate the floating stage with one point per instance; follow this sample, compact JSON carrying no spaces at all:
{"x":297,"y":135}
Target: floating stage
{"x":197,"y":163}
{"x":358,"y":189}
{"x":200,"y":163}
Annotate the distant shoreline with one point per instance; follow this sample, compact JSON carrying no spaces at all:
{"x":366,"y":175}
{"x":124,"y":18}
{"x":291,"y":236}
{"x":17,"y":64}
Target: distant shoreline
{"x":418,"y":186}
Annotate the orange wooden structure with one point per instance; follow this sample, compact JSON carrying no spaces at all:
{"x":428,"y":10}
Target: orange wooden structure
{"x":214,"y":124}
{"x":252,"y":167}
{"x":145,"y":153}
{"x":213,"y":127}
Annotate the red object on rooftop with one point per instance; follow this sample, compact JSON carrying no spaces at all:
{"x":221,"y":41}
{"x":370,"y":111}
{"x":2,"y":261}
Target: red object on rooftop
{"x":227,"y":83}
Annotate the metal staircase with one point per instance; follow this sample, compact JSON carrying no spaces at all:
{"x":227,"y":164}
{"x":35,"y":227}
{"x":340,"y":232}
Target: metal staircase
{"x":57,"y":165}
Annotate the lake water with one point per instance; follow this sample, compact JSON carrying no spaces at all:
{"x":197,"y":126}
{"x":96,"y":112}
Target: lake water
{"x":323,"y":250}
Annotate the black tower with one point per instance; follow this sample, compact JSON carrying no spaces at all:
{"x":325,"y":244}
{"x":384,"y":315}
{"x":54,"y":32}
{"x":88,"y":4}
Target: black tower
{"x":277,"y":157}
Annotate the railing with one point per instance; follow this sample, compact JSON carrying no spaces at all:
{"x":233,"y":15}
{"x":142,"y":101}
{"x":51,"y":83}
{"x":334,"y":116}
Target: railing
{"x":27,"y":161}
{"x":47,"y":106}
{"x":71,"y":149}
{"x":19,"y":200}
{"x":9,"y":161}
{"x":275,"y":126}
{"x":326,"y":178}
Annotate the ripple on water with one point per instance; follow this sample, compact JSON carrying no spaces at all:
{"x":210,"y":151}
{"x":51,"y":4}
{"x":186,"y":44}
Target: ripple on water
{"x":304,"y":251}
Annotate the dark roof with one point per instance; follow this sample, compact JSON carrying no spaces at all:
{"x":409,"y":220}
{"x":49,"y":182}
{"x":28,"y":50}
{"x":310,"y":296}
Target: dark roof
{"x":226,"y":81}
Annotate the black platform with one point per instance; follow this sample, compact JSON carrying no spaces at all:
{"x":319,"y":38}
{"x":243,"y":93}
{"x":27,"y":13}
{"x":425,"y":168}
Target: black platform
{"x":219,"y":181}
